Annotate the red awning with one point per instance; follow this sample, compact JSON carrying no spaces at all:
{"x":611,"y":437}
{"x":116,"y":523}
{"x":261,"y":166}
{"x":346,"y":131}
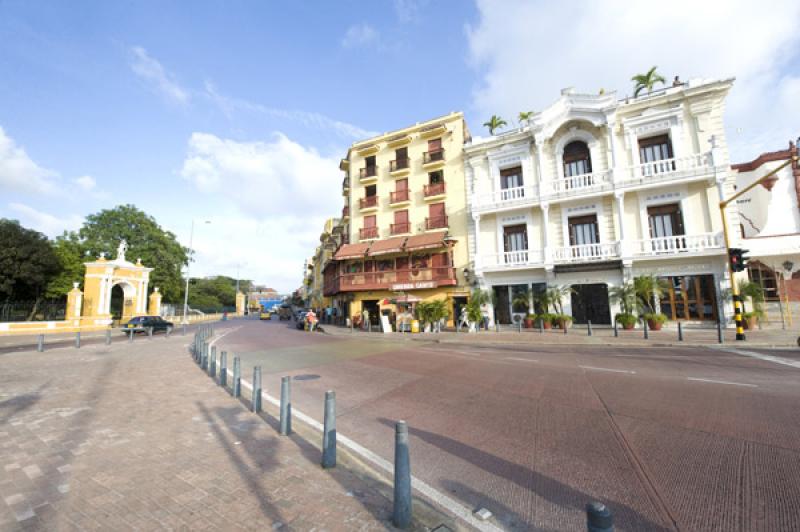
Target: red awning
{"x":352,"y":251}
{"x":388,"y":245}
{"x":426,"y":241}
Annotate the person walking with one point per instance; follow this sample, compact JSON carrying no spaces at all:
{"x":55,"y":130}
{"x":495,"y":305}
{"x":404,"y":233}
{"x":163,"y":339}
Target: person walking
{"x":365,"y":319}
{"x":311,"y":319}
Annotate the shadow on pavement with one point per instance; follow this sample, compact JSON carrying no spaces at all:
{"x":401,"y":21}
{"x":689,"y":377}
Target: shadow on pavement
{"x":548,"y":488}
{"x":13,"y":406}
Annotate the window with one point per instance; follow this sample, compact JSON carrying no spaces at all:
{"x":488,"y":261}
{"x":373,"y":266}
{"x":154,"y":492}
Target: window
{"x":665,"y":220}
{"x":437,"y":219}
{"x":371,"y":190}
{"x":370,"y":229}
{"x":401,"y":191}
{"x":434,"y":178}
{"x":764,"y":277}
{"x":401,"y":158}
{"x":400,"y":224}
{"x":515,"y":237}
{"x":583,"y":230}
{"x":511,"y":177}
{"x":655,"y":148}
{"x":577,"y":159}
{"x":690,"y":297}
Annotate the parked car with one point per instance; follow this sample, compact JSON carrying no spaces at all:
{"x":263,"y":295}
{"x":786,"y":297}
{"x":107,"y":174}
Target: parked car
{"x":300,"y":314}
{"x":141,"y":324}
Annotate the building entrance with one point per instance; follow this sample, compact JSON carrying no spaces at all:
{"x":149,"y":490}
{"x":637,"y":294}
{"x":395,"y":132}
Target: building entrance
{"x":590,"y":303}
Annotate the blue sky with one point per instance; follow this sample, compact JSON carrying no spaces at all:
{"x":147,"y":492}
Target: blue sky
{"x":238,"y":112}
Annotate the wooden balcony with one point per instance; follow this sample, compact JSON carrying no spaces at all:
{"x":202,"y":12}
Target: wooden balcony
{"x":401,"y":228}
{"x":368,"y":232}
{"x":438,"y":222}
{"x":398,"y":165}
{"x":434,"y":189}
{"x":345,"y":212}
{"x":398,"y":196}
{"x":368,"y":173}
{"x":432,"y":157}
{"x":368,"y":202}
{"x":395,"y":279}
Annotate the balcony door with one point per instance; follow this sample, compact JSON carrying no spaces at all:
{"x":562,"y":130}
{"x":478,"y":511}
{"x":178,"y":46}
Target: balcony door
{"x":577,"y":159}
{"x":401,"y":224}
{"x":652,"y":151}
{"x":584,"y":235}
{"x":511,"y":183}
{"x":436,"y":216}
{"x":515,"y":243}
{"x":666,"y":223}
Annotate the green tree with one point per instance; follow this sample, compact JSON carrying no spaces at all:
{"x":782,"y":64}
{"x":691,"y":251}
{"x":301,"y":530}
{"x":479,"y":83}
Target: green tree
{"x":158,"y":248}
{"x":212,"y":293}
{"x":71,"y":256}
{"x":524,"y":116}
{"x":625,"y":294}
{"x":495,"y":122}
{"x":647,"y":81}
{"x":647,"y":288}
{"x":27,"y":262}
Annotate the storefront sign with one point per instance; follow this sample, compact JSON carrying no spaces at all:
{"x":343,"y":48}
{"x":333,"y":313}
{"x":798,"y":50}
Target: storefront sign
{"x":413,"y":286}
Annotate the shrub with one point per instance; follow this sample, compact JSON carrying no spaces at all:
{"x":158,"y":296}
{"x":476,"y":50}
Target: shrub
{"x":655,"y":317}
{"x":626,"y":319}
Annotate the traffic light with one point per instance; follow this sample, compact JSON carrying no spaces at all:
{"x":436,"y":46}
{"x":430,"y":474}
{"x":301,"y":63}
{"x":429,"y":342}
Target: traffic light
{"x":737,"y":258}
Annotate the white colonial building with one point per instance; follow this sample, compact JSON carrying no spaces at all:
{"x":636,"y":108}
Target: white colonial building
{"x":594,"y":191}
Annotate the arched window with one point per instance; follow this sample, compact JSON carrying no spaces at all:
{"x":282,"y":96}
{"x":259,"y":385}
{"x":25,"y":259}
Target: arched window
{"x":577,"y":160}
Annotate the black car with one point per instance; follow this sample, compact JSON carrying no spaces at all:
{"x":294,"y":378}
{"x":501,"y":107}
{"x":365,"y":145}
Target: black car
{"x":143,"y":323}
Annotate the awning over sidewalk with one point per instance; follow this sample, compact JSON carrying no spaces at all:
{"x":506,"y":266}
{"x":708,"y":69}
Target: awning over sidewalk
{"x":388,"y":245}
{"x":352,"y":251}
{"x":426,"y":241}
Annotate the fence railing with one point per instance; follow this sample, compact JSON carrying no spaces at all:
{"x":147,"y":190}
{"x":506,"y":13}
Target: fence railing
{"x":33,"y":311}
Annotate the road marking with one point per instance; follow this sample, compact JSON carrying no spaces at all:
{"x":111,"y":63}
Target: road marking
{"x":759,"y":356}
{"x":221,"y":336}
{"x":520,"y":359}
{"x":722,"y":382}
{"x":443,"y":500}
{"x":609,"y":369}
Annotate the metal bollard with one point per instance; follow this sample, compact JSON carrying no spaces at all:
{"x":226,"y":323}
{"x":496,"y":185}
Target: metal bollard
{"x":720,"y":332}
{"x":223,"y":369}
{"x":616,"y":329}
{"x":599,"y":518}
{"x":519,"y":326}
{"x":402,"y":477}
{"x":204,"y":357}
{"x":212,"y":362}
{"x":168,"y":332}
{"x":329,"y":432}
{"x":108,"y":336}
{"x":78,"y":339}
{"x":286,"y":406}
{"x":130,"y":337}
{"x":256,"y":399}
{"x":646,"y":330}
{"x":150,"y":332}
{"x":541,"y":325}
{"x":40,"y":343}
{"x":588,"y":327}
{"x":680,"y":331}
{"x":564,"y":326}
{"x":183,"y":328}
{"x":236,"y":385}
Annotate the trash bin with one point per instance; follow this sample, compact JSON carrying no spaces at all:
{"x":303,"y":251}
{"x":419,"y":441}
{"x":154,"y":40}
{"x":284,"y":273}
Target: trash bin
{"x":414,"y":326}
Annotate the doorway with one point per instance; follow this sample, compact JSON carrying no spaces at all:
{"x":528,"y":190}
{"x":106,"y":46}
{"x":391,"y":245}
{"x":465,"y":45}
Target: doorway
{"x":458,"y":304}
{"x":590,"y":303}
{"x":371,"y":306}
{"x":502,"y":308}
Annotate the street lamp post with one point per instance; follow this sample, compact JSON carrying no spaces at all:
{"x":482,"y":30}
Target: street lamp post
{"x":188,"y":264}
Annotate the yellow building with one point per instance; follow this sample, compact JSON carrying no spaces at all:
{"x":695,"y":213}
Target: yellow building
{"x":405,"y":217}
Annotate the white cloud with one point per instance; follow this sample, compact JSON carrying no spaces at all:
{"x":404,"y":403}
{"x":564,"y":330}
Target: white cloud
{"x":528,"y":51}
{"x":157,"y":77}
{"x":85,"y":182}
{"x":43,"y":222}
{"x":359,"y":35}
{"x":281,"y":193}
{"x":19,"y":173}
{"x":308,"y":119}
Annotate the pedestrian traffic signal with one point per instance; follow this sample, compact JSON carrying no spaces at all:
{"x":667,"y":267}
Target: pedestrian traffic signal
{"x":737,"y":259}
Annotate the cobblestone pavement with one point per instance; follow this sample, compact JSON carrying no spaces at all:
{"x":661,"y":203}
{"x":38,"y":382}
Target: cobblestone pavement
{"x":136,"y":437}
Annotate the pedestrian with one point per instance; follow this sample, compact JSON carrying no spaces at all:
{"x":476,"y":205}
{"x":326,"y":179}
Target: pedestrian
{"x":311,"y":319}
{"x":463,"y":320}
{"x":328,"y":315}
{"x":365,"y":319}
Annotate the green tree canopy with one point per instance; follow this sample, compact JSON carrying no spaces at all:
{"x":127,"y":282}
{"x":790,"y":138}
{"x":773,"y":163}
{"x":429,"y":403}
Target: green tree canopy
{"x":27,"y":262}
{"x":646,"y":81}
{"x":158,"y":248}
{"x":215,"y":292}
{"x":495,"y":122}
{"x":71,"y":256}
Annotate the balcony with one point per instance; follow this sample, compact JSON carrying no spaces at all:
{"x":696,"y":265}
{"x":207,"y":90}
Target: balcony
{"x":345,"y":212}
{"x":434,"y":190}
{"x":581,"y":184}
{"x":395,"y":280}
{"x":368,"y":174}
{"x":399,"y":196}
{"x":400,"y":228}
{"x":368,"y":232}
{"x":511,"y":259}
{"x":587,"y":252}
{"x":703,"y":243}
{"x":433,"y":158}
{"x":437,"y":222}
{"x":507,"y":198}
{"x":399,"y":166}
{"x":665,"y":170}
{"x":368,"y":202}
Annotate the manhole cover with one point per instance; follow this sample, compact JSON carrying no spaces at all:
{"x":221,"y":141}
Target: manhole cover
{"x":306,"y":377}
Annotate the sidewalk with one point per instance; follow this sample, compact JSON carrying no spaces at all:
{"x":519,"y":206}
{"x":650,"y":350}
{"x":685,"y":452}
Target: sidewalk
{"x":136,"y":436}
{"x":601,"y":336}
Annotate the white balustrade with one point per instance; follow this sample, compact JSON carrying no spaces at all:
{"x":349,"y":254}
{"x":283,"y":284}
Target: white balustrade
{"x":587,"y":252}
{"x":525,"y":194}
{"x":677,"y":244}
{"x":669,"y":168}
{"x":513,"y":258}
{"x":579,"y":183}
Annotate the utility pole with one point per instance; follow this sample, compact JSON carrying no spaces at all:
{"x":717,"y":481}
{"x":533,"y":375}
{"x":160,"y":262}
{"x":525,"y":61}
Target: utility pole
{"x":188,"y":264}
{"x":737,"y":298}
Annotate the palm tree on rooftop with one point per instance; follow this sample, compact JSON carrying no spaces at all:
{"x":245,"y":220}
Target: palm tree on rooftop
{"x":524,"y":116}
{"x":495,"y":122}
{"x":647,"y":81}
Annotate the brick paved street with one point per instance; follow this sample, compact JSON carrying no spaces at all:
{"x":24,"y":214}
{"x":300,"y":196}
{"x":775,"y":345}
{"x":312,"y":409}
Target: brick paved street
{"x":137,"y":438}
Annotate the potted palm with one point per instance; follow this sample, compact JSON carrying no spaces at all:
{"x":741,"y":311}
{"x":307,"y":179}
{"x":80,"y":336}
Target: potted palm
{"x":495,"y":122}
{"x":754,"y":291}
{"x":423,"y":310}
{"x":646,"y":81}
{"x":545,"y":301}
{"x":474,"y":314}
{"x":521,"y":304}
{"x":648,"y":288}
{"x":625,"y":295}
{"x":557,"y":295}
{"x":438,"y":312}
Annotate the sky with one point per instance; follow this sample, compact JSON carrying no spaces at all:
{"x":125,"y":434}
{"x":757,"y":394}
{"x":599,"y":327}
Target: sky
{"x":237,"y":113}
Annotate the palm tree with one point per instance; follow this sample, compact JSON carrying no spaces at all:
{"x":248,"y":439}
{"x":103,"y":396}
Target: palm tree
{"x":646,"y":81}
{"x":495,"y":122}
{"x":648,"y":287}
{"x":521,"y":301}
{"x":755,"y":293}
{"x":626,"y":295}
{"x":524,"y":116}
{"x":557,"y":295}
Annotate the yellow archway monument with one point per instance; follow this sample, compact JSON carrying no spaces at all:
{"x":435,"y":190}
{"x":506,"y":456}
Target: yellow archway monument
{"x":103,"y":275}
